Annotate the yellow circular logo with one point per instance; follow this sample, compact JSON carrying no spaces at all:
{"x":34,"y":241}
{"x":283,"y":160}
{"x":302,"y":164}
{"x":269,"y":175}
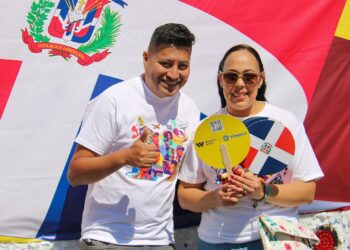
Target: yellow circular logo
{"x":219,"y":132}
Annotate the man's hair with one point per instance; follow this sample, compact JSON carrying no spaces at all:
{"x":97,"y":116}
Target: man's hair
{"x":171,"y":34}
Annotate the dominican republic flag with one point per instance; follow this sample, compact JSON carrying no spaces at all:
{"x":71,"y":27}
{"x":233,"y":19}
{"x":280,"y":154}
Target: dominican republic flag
{"x":57,"y":55}
{"x":272,"y":147}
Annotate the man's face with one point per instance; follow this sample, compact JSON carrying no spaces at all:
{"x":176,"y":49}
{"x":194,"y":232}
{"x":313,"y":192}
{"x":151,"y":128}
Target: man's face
{"x":166,"y":69}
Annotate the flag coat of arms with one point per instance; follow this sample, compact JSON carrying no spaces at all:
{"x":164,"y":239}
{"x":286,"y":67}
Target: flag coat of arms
{"x":71,"y":29}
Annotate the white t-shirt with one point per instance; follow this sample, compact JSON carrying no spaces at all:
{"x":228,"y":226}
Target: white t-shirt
{"x":131,"y":206}
{"x":238,"y":224}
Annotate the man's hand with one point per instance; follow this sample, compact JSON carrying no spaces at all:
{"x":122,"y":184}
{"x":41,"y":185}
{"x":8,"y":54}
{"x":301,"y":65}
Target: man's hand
{"x":141,"y":154}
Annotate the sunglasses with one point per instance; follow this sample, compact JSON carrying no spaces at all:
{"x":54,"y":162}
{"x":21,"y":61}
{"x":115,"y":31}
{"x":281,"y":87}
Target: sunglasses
{"x":231,"y":78}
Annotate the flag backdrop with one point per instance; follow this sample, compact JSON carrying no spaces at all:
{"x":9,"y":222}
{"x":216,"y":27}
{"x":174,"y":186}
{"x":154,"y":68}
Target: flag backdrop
{"x":56,"y":55}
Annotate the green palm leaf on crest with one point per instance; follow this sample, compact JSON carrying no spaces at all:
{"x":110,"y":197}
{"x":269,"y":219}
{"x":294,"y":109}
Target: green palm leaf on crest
{"x":106,"y":36}
{"x":36,"y":18}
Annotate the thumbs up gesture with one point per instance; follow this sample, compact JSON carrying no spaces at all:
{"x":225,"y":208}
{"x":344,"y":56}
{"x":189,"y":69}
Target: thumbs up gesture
{"x":141,"y":153}
{"x":144,"y":135}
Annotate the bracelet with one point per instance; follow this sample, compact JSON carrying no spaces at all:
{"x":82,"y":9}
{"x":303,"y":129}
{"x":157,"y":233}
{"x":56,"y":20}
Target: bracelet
{"x":267,"y":192}
{"x":264,"y":192}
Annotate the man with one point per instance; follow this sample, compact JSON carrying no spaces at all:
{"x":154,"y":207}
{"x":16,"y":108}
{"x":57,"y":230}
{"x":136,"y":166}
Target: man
{"x":131,"y":145}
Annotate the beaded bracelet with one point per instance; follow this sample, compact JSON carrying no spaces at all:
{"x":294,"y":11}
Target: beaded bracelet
{"x":266,"y":191}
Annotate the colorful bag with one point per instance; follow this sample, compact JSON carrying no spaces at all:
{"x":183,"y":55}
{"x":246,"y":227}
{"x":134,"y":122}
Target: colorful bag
{"x":281,"y":233}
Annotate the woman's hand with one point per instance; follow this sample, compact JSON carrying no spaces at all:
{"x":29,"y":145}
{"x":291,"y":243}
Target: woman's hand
{"x":228,"y":194}
{"x":249,"y":184}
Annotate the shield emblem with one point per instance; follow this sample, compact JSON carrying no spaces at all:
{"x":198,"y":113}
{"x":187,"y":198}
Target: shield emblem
{"x":75,"y":20}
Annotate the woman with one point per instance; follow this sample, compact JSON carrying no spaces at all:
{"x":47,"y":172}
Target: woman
{"x":230,"y":210}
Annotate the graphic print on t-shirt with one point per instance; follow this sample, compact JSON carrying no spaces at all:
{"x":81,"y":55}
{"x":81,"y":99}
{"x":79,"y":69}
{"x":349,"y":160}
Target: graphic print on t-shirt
{"x":169,"y":139}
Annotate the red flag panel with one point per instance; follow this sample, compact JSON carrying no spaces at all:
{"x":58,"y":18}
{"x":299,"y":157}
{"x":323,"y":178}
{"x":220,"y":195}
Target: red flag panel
{"x":328,"y":123}
{"x":299,"y":39}
{"x":8,"y":74}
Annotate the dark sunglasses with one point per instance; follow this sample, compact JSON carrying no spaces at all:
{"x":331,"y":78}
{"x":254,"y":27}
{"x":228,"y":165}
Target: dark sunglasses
{"x":248,"y":78}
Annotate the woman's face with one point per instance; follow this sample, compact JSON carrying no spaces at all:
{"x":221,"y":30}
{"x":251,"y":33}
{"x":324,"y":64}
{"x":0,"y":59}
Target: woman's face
{"x":240,"y":80}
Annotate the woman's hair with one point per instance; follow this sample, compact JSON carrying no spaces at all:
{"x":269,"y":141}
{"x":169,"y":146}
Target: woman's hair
{"x":261,"y":91}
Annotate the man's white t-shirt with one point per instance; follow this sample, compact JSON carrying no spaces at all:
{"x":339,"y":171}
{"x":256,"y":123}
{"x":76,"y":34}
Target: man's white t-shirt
{"x":133,"y":206}
{"x":238,"y":224}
